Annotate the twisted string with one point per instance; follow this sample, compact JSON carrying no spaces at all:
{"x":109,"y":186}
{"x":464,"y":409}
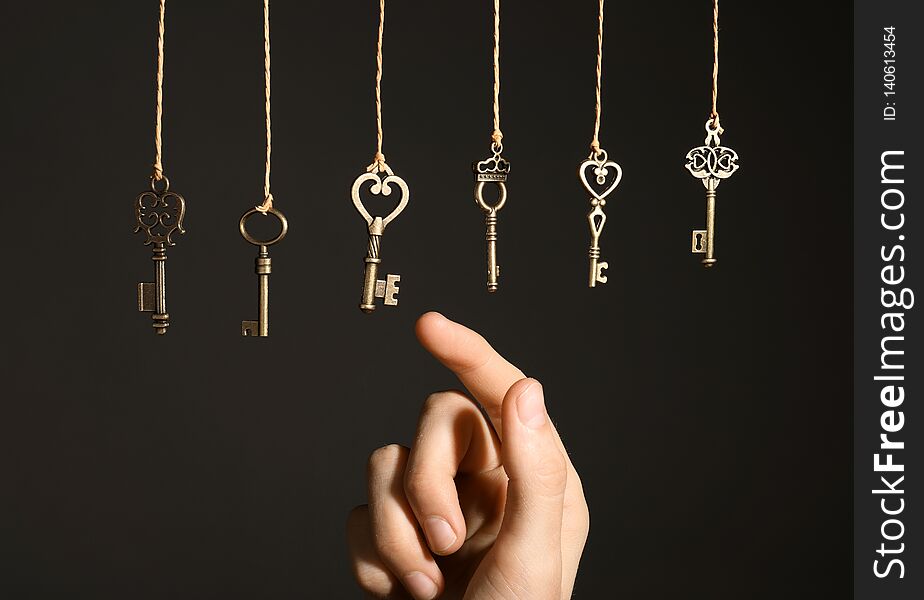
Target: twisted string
{"x":595,"y":143}
{"x":714,"y":116}
{"x":267,"y":196}
{"x":159,"y":97}
{"x":378,"y":162}
{"x":497,"y":136}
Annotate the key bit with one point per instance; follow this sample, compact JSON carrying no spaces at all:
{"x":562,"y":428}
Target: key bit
{"x":597,"y":267}
{"x":388,"y":289}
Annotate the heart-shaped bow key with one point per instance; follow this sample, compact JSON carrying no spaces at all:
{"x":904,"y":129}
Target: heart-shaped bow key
{"x":382,"y":180}
{"x":601,"y":170}
{"x":596,"y":218}
{"x":380,"y":186}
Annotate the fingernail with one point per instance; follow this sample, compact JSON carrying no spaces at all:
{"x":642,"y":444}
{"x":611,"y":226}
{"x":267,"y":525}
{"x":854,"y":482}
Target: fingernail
{"x":420,"y":586}
{"x":531,"y":407}
{"x":440,"y":533}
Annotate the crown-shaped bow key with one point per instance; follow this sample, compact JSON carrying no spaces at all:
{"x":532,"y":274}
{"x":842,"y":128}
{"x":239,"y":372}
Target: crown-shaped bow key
{"x":493,"y":169}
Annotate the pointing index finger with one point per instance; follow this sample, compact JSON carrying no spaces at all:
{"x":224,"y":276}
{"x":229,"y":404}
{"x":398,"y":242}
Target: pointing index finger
{"x":485,"y":374}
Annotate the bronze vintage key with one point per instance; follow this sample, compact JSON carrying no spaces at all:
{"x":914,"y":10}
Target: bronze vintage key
{"x":711,"y":163}
{"x":158,"y":213}
{"x":602,"y":166}
{"x":263,"y":268}
{"x":491,"y":170}
{"x":382,"y":178}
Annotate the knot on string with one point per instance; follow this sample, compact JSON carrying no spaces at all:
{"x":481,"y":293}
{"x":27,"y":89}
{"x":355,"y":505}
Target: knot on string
{"x":378,"y":164}
{"x":158,"y":174}
{"x":497,"y":137}
{"x":267,"y":204}
{"x":595,"y":146}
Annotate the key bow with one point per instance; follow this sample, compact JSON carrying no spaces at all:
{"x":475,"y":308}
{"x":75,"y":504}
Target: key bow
{"x":602,"y":165}
{"x":380,"y":186}
{"x":159,"y":213}
{"x":493,"y":169}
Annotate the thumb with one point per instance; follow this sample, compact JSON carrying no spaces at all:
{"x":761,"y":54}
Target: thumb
{"x":531,"y":532}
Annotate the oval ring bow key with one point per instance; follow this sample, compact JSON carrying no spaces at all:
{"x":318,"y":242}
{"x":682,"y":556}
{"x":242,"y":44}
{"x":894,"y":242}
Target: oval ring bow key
{"x":263,"y":266}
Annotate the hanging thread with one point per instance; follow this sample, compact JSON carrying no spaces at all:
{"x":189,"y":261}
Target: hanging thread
{"x":595,"y":144}
{"x":159,"y":101}
{"x":267,"y":196}
{"x":714,"y":117}
{"x":497,"y":136}
{"x":378,"y":162}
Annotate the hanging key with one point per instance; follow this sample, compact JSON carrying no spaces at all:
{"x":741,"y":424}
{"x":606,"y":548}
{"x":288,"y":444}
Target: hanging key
{"x":607,"y":175}
{"x":382,"y":178}
{"x":159,"y":213}
{"x":491,"y":170}
{"x":263,"y":268}
{"x":710,"y":163}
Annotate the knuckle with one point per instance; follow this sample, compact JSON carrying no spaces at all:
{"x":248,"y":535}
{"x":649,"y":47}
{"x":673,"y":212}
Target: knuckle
{"x":389,"y":546}
{"x":386,"y":456}
{"x":438,"y":401}
{"x":373,"y":580}
{"x":417,"y":483}
{"x":551,"y":472}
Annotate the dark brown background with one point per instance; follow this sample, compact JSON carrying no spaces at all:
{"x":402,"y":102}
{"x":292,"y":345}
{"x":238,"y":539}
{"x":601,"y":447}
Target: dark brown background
{"x":708,"y":412}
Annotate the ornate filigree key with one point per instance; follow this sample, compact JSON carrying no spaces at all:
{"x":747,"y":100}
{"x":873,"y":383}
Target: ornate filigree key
{"x":159,"y":213}
{"x":382,"y":179}
{"x":263,"y":266}
{"x":491,"y":170}
{"x":602,"y":167}
{"x":711,"y":163}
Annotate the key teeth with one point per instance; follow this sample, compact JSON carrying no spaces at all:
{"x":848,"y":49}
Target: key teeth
{"x":250,"y":328}
{"x":698,"y":245}
{"x":146,"y":300}
{"x":601,"y":266}
{"x":388,"y":289}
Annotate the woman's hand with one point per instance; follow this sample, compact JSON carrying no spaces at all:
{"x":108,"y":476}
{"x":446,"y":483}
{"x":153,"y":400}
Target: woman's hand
{"x":472,"y":511}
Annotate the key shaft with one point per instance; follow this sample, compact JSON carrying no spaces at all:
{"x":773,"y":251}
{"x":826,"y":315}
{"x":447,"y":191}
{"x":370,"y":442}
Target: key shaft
{"x":490,"y":236}
{"x":367,"y":305}
{"x":152,"y":296}
{"x":263,"y":267}
{"x":710,"y":259}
